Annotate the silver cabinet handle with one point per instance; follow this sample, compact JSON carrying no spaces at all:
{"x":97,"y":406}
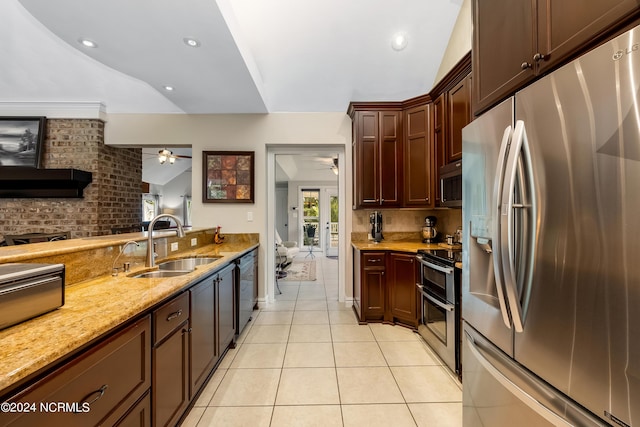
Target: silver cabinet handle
{"x":525,"y":65}
{"x":174,"y":315}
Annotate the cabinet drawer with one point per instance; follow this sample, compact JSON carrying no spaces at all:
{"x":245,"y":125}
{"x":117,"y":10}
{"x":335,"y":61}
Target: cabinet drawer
{"x":99,"y":385}
{"x":170,"y":316}
{"x":374,"y":259}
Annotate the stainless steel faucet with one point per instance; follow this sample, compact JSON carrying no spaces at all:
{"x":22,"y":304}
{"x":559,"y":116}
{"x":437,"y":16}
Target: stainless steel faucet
{"x":150,"y":252}
{"x":114,"y":269}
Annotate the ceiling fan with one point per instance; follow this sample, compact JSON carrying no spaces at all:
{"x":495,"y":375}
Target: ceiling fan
{"x":165,"y":155}
{"x":330,"y":163}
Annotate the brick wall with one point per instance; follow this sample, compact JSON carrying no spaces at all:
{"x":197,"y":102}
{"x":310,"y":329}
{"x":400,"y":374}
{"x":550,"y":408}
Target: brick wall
{"x":112,"y":200}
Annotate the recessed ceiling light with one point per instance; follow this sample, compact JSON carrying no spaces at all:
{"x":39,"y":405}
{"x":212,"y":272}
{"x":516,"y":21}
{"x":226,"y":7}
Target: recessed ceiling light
{"x":87,"y":43}
{"x":168,"y":88}
{"x":399,"y":41}
{"x":191,"y":42}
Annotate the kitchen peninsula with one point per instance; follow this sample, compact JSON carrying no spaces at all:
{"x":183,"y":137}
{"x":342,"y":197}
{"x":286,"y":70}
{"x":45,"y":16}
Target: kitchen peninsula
{"x":102,"y":312}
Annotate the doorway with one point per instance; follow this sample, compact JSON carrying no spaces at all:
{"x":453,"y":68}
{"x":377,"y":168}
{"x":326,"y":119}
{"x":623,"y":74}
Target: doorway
{"x":293,"y":218}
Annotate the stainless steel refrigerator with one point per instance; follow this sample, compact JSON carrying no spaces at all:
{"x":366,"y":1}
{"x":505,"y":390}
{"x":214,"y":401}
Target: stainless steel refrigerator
{"x":551,"y":248}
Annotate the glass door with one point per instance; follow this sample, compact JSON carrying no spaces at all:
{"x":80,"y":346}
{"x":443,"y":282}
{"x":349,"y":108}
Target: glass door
{"x":311,"y":235}
{"x":332,"y":240}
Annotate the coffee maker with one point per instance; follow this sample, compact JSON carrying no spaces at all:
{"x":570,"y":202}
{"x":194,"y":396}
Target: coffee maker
{"x":375,"y":220}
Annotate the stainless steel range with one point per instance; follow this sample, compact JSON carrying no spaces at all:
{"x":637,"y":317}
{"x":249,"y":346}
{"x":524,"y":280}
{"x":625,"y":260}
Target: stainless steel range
{"x":439,"y":286}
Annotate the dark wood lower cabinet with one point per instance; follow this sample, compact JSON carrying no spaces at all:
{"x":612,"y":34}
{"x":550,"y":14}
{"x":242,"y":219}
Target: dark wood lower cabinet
{"x":403,"y":298}
{"x":170,"y":383}
{"x":139,"y":415}
{"x":226,"y":321}
{"x":384,"y":287}
{"x":202,"y":339}
{"x":103,"y":383}
{"x":146,"y":373}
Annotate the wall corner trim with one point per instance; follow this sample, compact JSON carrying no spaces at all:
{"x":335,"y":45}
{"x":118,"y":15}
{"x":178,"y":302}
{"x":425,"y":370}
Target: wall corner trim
{"x":55,"y":110}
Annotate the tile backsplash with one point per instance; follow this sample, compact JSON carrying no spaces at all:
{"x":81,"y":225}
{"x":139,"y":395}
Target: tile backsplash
{"x":399,"y":221}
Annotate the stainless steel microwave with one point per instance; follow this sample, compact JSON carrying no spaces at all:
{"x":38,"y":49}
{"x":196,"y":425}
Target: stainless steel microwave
{"x":451,"y":185}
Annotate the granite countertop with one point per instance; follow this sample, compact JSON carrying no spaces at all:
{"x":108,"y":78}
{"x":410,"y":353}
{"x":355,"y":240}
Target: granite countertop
{"x":394,"y":245}
{"x":91,"y":309}
{"x":402,"y":246}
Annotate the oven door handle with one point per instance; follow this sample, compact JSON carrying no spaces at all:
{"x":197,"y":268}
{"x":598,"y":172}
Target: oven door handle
{"x":448,"y":307}
{"x":445,"y":270}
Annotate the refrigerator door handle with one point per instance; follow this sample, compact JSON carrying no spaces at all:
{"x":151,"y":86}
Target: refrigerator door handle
{"x":495,"y":241}
{"x":519,"y":147}
{"x":478,"y":353}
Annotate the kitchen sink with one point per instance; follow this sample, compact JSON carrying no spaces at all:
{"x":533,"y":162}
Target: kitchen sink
{"x":186,"y":263}
{"x":161,"y":273}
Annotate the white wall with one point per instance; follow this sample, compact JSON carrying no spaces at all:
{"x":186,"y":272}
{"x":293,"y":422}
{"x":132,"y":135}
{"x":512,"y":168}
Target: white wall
{"x":459,"y":42}
{"x":250,"y":132}
{"x":235,"y":132}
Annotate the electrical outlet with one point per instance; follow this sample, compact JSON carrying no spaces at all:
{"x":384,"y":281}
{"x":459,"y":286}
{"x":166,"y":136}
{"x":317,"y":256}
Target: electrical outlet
{"x":174,"y":246}
{"x":250,"y":216}
{"x":194,"y":241}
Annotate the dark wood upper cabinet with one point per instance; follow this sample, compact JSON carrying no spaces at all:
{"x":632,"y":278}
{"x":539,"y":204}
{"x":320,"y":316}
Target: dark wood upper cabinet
{"x":514,"y":42}
{"x":418,"y":157}
{"x":377,"y":158}
{"x":439,"y":140}
{"x":459,"y":107}
{"x":366,"y":159}
{"x":503,"y":48}
{"x":390,"y":158}
{"x":564,"y":27}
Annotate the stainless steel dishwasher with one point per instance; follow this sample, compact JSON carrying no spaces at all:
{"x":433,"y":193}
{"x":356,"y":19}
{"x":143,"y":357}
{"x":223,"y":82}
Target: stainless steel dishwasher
{"x":245,"y":282}
{"x":28,"y":290}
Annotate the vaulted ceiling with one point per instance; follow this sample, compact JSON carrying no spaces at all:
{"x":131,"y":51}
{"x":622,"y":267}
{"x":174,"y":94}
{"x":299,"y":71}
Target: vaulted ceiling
{"x":252,"y":56}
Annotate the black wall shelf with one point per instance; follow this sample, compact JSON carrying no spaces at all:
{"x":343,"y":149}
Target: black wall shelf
{"x":25,"y":182}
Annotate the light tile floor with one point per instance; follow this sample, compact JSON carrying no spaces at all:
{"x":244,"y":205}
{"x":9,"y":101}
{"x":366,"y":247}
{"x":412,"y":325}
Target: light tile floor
{"x":304,"y":361}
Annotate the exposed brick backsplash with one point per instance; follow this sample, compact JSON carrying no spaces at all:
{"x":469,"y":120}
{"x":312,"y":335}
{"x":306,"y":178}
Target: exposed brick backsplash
{"x":113,"y":199}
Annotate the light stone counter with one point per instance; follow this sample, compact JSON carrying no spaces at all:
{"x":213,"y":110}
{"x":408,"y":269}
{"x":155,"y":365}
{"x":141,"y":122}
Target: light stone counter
{"x":401,"y":246}
{"x":394,"y":245}
{"x":93,"y":308}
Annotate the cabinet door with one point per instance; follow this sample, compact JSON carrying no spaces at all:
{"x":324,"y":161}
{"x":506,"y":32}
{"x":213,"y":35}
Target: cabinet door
{"x":439,"y":141}
{"x":459,"y":103}
{"x":357,"y":284}
{"x":401,"y":282}
{"x":139,"y":416}
{"x":170,"y":384}
{"x":503,"y":48}
{"x":373,"y":285}
{"x":566,"y":26}
{"x":225,"y":303}
{"x":373,"y":293}
{"x":104,"y":382}
{"x":390,"y":167}
{"x":418,"y":164}
{"x":202,"y":343}
{"x":366,"y":159}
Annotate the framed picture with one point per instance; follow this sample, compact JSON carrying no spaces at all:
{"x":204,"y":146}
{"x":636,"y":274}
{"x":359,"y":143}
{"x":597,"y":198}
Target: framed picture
{"x":21,"y":141}
{"x":228,"y":176}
